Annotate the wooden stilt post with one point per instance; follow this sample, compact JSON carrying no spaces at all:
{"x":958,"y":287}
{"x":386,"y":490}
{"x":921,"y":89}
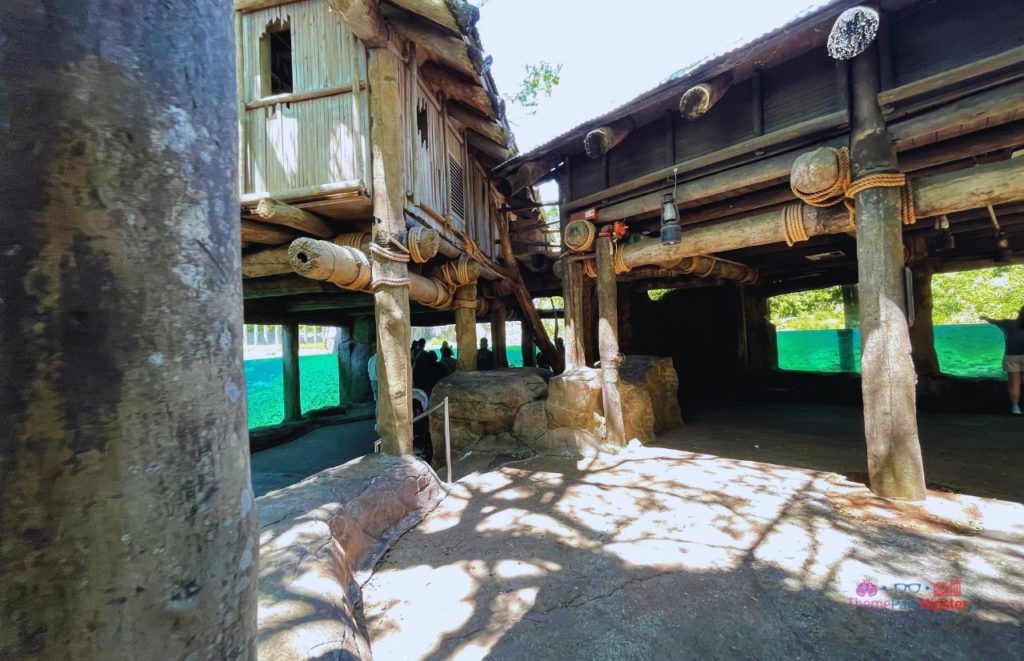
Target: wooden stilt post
{"x":608,"y":336}
{"x":499,"y":314}
{"x":290,"y":364}
{"x":922,"y":332}
{"x":528,"y":347}
{"x":572,"y":293}
{"x":127,"y":517}
{"x":465,"y":327}
{"x":895,"y":467}
{"x":851,"y":321}
{"x":391,"y":298}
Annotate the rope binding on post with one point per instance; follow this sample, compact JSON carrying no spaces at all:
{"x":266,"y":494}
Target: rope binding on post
{"x":392,"y":251}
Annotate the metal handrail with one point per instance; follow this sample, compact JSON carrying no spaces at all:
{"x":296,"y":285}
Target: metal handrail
{"x":447,"y":435}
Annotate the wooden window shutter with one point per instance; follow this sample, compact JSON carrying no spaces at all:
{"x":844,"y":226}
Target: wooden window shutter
{"x":457,"y":183}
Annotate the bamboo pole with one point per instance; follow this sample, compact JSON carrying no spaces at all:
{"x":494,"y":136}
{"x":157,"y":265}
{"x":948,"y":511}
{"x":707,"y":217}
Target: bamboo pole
{"x":608,"y":341}
{"x":888,"y":380}
{"x":391,"y":301}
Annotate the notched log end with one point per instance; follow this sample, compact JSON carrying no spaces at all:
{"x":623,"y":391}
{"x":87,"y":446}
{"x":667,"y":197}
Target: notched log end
{"x":853,"y":32}
{"x":307,"y":259}
{"x":597,"y":142}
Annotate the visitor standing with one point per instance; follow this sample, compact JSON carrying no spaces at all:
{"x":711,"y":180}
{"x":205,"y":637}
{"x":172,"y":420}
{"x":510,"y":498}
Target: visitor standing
{"x":484,"y":357}
{"x":1013,"y":357}
{"x":447,"y":359}
{"x":371,"y":370}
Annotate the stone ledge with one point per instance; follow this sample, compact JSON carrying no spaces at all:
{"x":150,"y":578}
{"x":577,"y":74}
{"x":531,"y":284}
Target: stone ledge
{"x":319,"y":542}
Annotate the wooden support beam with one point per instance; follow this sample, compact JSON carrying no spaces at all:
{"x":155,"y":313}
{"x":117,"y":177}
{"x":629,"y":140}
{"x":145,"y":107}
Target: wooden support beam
{"x":465,"y":327}
{"x":699,"y":99}
{"x":499,"y":315}
{"x":280,"y":213}
{"x":922,"y":331}
{"x":457,"y":87}
{"x":435,"y":11}
{"x":282,"y":286}
{"x":290,"y":365}
{"x":354,"y":189}
{"x":934,"y":195}
{"x":608,"y":341}
{"x":603,"y":139}
{"x":474,"y":122}
{"x":363,"y":18}
{"x":266,"y":263}
{"x":527,"y":174}
{"x":391,"y":301}
{"x":527,"y":345}
{"x":437,"y":46}
{"x":851,"y":321}
{"x":572,"y":293}
{"x":488,"y":147}
{"x":888,"y":379}
{"x":263,"y":233}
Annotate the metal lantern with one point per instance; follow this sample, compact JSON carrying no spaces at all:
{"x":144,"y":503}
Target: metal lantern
{"x":670,"y":231}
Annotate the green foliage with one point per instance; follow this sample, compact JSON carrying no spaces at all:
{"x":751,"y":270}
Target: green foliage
{"x":540,"y":79}
{"x":966,"y":297}
{"x":817,"y":309}
{"x":957,"y":298}
{"x":658,"y":294}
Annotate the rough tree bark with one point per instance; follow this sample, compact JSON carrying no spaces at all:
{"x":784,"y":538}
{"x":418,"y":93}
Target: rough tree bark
{"x":391,"y":303}
{"x":465,"y":328}
{"x":895,"y":466}
{"x":499,"y":314}
{"x":127,"y":521}
{"x":572,"y":288}
{"x":608,"y":337}
{"x":528,"y":345}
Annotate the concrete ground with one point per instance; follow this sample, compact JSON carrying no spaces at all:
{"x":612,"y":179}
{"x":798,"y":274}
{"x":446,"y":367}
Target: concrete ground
{"x":662,"y":553}
{"x":311,"y":453}
{"x":982,"y":455}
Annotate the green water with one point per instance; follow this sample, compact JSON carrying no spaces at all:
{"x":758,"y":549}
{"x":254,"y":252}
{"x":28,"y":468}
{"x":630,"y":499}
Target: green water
{"x":965,"y":350}
{"x":318,"y":379}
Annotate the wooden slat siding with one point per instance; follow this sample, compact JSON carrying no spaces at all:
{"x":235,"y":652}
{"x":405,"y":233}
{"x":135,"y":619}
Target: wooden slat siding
{"x":314,"y":141}
{"x":642,"y":151}
{"x":586,"y":175}
{"x":931,"y":37}
{"x":799,"y":89}
{"x":729,"y":121}
{"x":431,"y":160}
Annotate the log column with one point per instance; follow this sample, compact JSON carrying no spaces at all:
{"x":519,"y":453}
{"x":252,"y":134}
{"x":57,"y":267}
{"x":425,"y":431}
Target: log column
{"x":922,"y":333}
{"x":888,"y":379}
{"x":465,"y":327}
{"x":290,"y":365}
{"x":851,"y":321}
{"x":528,"y":346}
{"x":391,"y":301}
{"x":608,"y":340}
{"x":499,"y":315}
{"x":127,"y":520}
{"x":575,"y":330}
{"x":353,"y":359}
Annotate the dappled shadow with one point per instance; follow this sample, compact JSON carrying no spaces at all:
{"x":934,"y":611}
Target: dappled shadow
{"x":657,"y":553}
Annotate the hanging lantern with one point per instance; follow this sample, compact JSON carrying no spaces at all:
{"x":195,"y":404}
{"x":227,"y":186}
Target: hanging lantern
{"x":670,"y":230}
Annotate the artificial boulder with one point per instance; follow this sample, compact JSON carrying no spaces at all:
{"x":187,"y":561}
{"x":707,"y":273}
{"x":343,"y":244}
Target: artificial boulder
{"x":637,"y":412}
{"x":532,"y":429}
{"x":658,"y":377}
{"x":482,"y":405}
{"x":574,"y":401}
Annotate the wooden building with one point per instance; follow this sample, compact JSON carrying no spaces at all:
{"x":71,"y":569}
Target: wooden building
{"x":367,"y":134}
{"x":732,"y":180}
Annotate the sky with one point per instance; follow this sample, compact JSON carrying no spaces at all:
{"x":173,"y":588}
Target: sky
{"x":610,"y":52}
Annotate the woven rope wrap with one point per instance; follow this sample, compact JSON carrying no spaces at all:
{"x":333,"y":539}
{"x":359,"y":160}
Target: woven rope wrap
{"x":618,"y":259}
{"x":588,"y":269}
{"x":456,"y":274}
{"x":580,"y":235}
{"x":352,"y":239}
{"x":844,"y":190}
{"x":793,"y":224}
{"x":416,"y":238}
{"x":401,"y":255}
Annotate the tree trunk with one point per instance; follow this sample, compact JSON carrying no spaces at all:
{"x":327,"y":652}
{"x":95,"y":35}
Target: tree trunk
{"x":572,"y":288}
{"x":528,"y":347}
{"x":851,"y":316}
{"x":290,"y":365}
{"x":391,"y":302}
{"x":499,"y":315}
{"x":922,"y":333}
{"x":608,"y":331}
{"x":127,"y":521}
{"x":895,"y":467}
{"x":465,"y":327}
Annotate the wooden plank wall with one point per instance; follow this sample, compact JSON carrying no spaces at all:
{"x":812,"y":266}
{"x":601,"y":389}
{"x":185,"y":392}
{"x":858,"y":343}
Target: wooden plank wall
{"x":430,"y":160}
{"x":316,"y":141}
